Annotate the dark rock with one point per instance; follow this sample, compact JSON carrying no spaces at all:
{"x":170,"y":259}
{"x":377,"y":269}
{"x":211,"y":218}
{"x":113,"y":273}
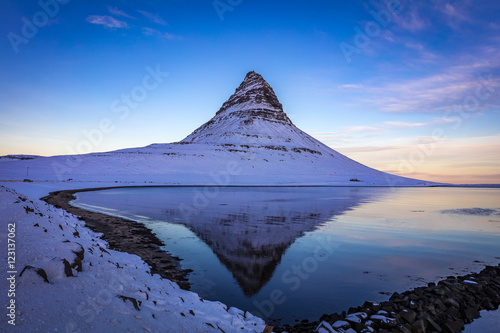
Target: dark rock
{"x":486,"y":304}
{"x":432,"y":324}
{"x":454,"y":326}
{"x":67,"y":268}
{"x":409,"y":316}
{"x":135,"y":302}
{"x":451,"y":302}
{"x":452,"y":312}
{"x":38,"y":271}
{"x":418,"y":326}
{"x":394,"y":297}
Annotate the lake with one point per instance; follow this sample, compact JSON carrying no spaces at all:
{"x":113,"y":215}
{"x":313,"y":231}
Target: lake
{"x":293,"y":253}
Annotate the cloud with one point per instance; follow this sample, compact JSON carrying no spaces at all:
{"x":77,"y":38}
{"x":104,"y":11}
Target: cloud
{"x":453,"y":160}
{"x":410,"y":19}
{"x":453,"y":15}
{"x":347,"y":86}
{"x":471,"y":86}
{"x":156,"y":33}
{"x":415,"y":46}
{"x":152,"y":17}
{"x":107,"y":21}
{"x":117,"y":12}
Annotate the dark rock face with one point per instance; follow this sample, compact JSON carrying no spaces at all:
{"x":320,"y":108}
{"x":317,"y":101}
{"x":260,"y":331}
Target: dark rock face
{"x":253,"y":99}
{"x":253,"y":89}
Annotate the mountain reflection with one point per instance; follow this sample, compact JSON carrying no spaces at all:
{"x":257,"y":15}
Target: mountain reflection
{"x":249,"y":229}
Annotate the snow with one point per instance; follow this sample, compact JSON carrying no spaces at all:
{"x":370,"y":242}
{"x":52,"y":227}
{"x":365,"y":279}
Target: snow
{"x":383,"y":319}
{"x":325,"y":327}
{"x":469,"y":282}
{"x":356,"y":317}
{"x":112,"y":291}
{"x":341,"y":324}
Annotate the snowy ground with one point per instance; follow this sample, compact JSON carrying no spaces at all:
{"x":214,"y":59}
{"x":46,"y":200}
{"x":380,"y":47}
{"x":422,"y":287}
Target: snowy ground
{"x":73,"y":283}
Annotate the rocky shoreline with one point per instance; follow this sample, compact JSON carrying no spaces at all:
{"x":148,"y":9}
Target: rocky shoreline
{"x":443,"y":307}
{"x":125,"y":236}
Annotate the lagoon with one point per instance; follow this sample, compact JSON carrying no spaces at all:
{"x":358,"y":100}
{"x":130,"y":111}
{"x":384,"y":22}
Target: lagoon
{"x":293,"y":253}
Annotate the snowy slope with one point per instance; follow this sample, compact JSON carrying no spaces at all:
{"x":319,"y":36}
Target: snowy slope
{"x":73,"y":283}
{"x":250,"y":141}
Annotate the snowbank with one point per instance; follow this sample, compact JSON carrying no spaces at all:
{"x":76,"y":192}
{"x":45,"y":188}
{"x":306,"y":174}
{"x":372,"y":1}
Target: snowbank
{"x":68,"y":280}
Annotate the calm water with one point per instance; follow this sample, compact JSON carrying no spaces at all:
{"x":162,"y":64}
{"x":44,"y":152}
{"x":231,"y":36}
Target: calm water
{"x":295,"y":253}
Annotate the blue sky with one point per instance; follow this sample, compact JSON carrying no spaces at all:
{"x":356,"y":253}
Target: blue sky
{"x":410,"y":87}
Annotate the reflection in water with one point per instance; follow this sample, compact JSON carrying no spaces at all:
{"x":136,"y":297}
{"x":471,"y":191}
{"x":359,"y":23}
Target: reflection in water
{"x":245,"y":245}
{"x":249,"y":232}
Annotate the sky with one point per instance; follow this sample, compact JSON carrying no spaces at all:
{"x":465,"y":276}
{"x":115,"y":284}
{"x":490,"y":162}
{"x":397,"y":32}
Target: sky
{"x":407,"y":87}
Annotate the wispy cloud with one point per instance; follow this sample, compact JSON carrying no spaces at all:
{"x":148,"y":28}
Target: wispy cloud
{"x":156,"y":33}
{"x":410,"y":19}
{"x":454,"y":14}
{"x":118,"y":12}
{"x":107,"y":21}
{"x":454,"y":86}
{"x":153,"y":17}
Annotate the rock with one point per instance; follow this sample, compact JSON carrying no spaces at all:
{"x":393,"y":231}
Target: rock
{"x":404,"y":329}
{"x":451,"y":302}
{"x":438,"y":291}
{"x":134,"y":302}
{"x":394,"y":296}
{"x":408,"y":315}
{"x":38,"y":271}
{"x":486,"y":304}
{"x":452,"y":312}
{"x":469,"y":314}
{"x":454,"y":326}
{"x":431,"y":323}
{"x":418,"y":326}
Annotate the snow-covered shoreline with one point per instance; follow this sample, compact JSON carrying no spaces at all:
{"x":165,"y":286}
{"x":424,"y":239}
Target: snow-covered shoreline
{"x":106,"y":291}
{"x":113,"y":292}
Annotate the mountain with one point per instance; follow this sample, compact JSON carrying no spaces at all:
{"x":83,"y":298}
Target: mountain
{"x":249,"y":141}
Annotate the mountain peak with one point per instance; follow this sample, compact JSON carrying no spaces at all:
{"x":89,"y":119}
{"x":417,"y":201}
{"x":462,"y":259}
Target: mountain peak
{"x":253,"y":93}
{"x":253,"y":111}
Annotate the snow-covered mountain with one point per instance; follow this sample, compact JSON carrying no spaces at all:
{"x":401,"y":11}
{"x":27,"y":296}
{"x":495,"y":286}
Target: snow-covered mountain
{"x":249,"y":141}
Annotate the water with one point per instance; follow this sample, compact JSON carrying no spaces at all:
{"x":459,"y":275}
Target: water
{"x":295,"y":253}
